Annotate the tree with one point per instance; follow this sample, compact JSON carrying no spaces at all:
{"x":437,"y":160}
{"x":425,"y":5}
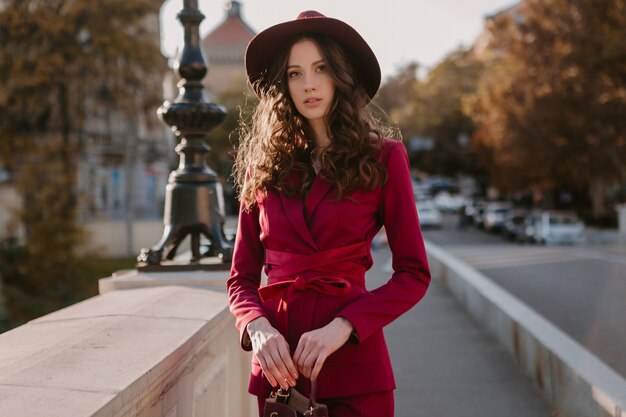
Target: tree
{"x":395,"y":97}
{"x":437,"y":113}
{"x":552,"y":111}
{"x":60,"y":62}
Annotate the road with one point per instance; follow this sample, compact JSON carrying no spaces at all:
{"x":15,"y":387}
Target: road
{"x":581,"y":289}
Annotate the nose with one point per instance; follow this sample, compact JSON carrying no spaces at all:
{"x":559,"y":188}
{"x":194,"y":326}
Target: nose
{"x":309,"y":83}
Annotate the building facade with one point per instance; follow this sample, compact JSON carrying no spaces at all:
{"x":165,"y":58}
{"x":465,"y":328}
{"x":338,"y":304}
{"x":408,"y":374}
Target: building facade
{"x":224,"y":48}
{"x":483,"y":46}
{"x":126,"y":161}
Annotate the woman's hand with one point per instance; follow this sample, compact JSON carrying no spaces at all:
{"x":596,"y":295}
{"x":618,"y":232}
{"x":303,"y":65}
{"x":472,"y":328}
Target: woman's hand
{"x":316,"y":346}
{"x":272,"y":351}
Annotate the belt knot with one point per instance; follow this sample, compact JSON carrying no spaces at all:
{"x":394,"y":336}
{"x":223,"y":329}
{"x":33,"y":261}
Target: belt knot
{"x":300,"y":284}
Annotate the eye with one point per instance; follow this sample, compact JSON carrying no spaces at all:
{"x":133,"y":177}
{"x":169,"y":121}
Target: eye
{"x":293,"y":74}
{"x":321,"y":68}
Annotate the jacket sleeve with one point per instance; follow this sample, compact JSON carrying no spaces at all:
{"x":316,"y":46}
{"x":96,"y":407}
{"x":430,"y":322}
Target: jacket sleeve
{"x":245,"y":273}
{"x":411,"y":275}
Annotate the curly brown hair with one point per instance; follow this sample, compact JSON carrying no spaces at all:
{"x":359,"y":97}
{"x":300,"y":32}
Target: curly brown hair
{"x":276,"y":141}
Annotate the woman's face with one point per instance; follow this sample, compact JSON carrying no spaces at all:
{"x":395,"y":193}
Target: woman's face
{"x":311,"y":86}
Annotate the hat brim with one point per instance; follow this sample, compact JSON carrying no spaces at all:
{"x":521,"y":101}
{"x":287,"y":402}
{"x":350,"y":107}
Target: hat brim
{"x":263,"y":48}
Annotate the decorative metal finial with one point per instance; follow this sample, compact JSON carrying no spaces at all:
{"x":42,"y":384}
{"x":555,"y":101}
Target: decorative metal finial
{"x":234,"y":8}
{"x":194,"y":203}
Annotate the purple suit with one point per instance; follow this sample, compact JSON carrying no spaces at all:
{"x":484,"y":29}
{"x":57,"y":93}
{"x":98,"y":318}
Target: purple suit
{"x":315,"y":253}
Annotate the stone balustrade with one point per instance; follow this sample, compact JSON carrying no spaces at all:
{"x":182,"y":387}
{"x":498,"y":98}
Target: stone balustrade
{"x":570,"y":377}
{"x":163,"y":351}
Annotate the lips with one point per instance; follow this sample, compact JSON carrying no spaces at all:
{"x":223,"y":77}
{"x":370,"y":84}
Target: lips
{"x":312,"y":101}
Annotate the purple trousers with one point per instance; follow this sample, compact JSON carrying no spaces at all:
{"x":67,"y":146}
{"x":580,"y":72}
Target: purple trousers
{"x":376,"y":404}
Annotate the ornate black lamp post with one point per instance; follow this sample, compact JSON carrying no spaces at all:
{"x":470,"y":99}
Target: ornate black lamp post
{"x":194,"y":199}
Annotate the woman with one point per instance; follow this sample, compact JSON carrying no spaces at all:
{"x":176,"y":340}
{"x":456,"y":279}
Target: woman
{"x":316,"y":183}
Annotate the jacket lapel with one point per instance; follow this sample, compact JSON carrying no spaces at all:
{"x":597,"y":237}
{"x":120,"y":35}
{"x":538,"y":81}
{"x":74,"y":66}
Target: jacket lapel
{"x":294,"y":210}
{"x":319,"y":189}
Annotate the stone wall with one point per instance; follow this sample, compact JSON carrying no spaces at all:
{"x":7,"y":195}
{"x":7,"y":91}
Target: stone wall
{"x":155,"y":352}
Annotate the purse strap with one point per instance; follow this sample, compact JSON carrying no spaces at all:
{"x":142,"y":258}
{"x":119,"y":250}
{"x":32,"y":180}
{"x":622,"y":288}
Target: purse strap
{"x":313,"y":393}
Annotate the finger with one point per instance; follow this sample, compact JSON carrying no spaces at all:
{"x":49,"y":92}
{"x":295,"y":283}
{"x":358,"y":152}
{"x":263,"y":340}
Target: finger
{"x":285,"y":380}
{"x":306,"y":365}
{"x":277,"y":376}
{"x":303,"y":349}
{"x":298,"y":353}
{"x":274,"y":366}
{"x":282,"y":359}
{"x":283,"y":350}
{"x":266,"y":371}
{"x":300,"y":361}
{"x":318,"y":366}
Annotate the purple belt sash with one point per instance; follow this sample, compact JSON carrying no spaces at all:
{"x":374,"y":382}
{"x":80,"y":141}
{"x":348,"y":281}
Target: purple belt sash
{"x":331,"y":272}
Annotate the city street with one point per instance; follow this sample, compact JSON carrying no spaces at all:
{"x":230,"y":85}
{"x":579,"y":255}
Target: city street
{"x":581,"y":289}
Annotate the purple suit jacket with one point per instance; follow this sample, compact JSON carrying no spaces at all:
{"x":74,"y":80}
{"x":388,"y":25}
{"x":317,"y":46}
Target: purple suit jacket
{"x":312,"y":233}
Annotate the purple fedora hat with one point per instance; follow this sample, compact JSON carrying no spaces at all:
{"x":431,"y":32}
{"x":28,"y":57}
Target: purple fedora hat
{"x":263,"y":48}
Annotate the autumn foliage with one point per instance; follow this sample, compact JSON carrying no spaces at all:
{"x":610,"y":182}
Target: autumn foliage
{"x":551,"y":107}
{"x":544,"y":106}
{"x":61,"y":61}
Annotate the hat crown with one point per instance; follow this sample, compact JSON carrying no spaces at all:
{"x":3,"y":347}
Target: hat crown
{"x":308,"y":14}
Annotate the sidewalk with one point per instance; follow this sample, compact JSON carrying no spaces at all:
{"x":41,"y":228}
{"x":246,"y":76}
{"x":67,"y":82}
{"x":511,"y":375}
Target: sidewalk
{"x":447,"y":366}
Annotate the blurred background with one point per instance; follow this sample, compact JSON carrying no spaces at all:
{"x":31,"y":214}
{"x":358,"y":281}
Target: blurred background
{"x":513,"y":114}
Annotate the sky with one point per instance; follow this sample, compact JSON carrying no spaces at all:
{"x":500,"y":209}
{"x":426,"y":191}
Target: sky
{"x":398,"y":31}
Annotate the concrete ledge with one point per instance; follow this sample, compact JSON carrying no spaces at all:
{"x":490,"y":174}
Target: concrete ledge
{"x":131,"y":279}
{"x":574,"y":380}
{"x":165,"y":351}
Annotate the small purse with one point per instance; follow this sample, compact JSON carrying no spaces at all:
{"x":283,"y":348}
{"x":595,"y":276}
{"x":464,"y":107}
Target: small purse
{"x":290,"y":403}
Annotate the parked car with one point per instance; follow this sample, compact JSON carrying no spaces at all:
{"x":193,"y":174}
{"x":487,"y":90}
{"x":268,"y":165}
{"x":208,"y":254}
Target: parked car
{"x":469,"y":209}
{"x":478,"y":213}
{"x":495,"y":215}
{"x":420,"y":191}
{"x":554,"y":227}
{"x":514,"y":224}
{"x":438,"y":184}
{"x":530,"y":224}
{"x":428,"y":214}
{"x":448,"y":203}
